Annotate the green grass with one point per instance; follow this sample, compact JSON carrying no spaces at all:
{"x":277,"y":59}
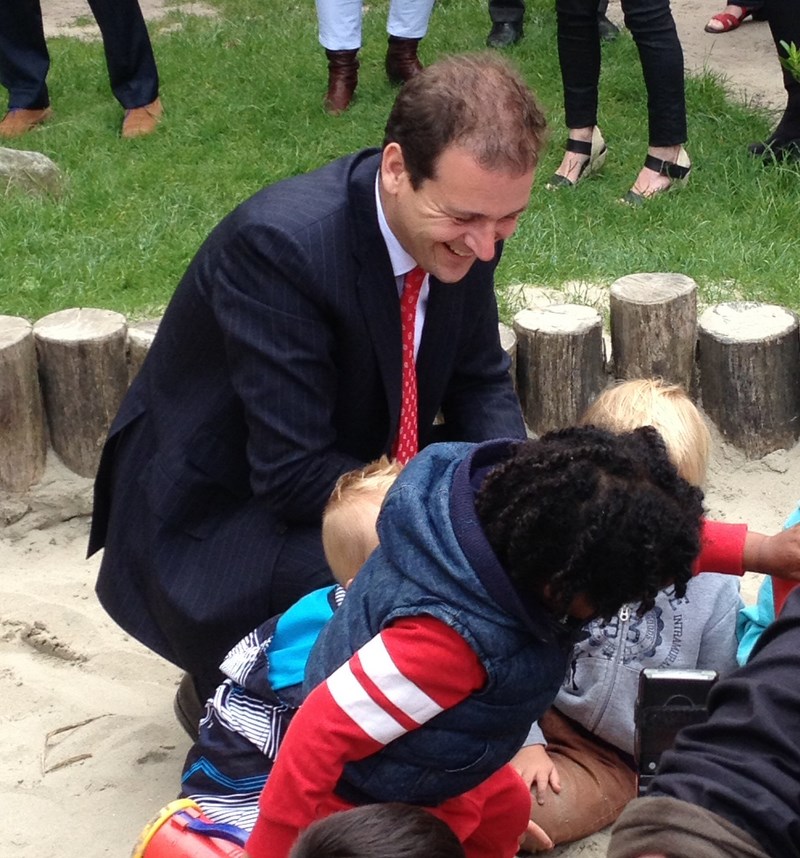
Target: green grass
{"x":243,"y":108}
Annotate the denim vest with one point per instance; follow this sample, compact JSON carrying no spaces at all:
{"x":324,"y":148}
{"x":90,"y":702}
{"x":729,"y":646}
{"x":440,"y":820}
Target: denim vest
{"x":434,"y":560}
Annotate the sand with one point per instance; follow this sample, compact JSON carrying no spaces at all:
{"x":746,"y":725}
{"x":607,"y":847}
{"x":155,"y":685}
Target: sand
{"x":89,"y":748}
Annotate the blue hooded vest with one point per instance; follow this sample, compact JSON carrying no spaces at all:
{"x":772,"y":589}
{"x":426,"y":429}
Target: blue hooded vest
{"x":434,"y":560}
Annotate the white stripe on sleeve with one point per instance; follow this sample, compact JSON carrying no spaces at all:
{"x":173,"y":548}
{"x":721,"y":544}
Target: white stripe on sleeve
{"x":351,"y":697}
{"x":404,"y":694}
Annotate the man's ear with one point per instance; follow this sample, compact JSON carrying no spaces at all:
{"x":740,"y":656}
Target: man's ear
{"x":393,"y":168}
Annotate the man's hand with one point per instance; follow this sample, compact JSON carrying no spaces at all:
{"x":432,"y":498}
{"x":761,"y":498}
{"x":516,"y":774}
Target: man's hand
{"x":777,"y":555}
{"x":536,"y":768}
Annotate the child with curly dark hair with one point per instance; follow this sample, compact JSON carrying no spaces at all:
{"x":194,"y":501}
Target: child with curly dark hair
{"x":455,"y":635}
{"x":578,"y":759}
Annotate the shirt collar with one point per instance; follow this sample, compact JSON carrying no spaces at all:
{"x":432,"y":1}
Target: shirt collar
{"x":402,"y":262}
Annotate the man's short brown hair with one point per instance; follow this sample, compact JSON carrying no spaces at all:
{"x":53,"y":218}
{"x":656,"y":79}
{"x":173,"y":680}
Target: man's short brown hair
{"x":476,"y":101}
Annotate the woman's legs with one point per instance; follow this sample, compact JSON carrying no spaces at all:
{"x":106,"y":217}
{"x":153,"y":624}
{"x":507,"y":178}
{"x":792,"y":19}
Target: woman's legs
{"x":653,"y":29}
{"x":579,"y":58}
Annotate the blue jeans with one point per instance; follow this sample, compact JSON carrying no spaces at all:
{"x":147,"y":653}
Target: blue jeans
{"x":660,"y":52}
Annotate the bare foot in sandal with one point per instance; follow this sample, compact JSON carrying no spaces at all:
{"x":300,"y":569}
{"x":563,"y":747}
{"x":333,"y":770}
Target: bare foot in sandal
{"x":729,"y":19}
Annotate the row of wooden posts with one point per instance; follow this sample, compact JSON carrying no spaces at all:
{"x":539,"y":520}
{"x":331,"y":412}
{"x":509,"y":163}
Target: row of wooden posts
{"x":63,"y":377}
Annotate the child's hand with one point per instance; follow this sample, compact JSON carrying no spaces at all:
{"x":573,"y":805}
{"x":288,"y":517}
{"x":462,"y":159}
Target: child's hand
{"x":536,"y":839}
{"x":777,"y":555}
{"x":536,"y":768}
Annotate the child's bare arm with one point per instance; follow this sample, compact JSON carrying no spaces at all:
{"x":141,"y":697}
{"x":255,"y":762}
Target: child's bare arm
{"x":777,"y":555}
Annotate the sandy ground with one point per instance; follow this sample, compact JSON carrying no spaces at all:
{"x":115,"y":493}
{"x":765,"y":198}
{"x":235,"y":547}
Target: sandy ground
{"x":89,"y":748}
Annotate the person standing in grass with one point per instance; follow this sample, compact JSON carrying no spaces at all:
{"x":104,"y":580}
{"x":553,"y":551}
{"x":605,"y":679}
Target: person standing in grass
{"x":25,"y":61}
{"x":783,"y":144}
{"x":340,"y":36}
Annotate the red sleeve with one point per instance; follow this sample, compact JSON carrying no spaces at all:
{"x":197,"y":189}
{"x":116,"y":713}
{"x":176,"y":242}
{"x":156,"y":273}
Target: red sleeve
{"x":400,"y":679}
{"x":721,"y":548}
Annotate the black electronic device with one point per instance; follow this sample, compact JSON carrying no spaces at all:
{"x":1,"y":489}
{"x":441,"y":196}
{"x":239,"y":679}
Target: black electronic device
{"x":668,"y":699}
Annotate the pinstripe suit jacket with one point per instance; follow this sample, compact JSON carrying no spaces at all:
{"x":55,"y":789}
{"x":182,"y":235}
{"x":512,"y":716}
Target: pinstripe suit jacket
{"x":275,"y":369}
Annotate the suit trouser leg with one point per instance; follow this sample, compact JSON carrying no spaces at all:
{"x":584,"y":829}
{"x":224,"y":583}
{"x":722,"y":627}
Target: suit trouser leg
{"x":129,"y":53}
{"x":506,"y":11}
{"x":596,"y":782}
{"x":24,"y":60}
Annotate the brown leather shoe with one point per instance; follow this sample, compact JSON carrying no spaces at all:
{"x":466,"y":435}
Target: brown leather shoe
{"x":401,"y":59}
{"x":20,"y":120}
{"x":140,"y":121}
{"x":342,"y":80}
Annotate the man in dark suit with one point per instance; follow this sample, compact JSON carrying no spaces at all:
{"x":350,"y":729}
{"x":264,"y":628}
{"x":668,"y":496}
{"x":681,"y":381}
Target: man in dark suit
{"x":277,"y":366}
{"x":24,"y":63}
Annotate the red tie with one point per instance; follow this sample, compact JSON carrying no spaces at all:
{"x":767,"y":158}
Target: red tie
{"x":405,"y":445}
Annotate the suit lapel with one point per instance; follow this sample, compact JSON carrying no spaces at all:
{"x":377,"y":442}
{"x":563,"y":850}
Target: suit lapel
{"x":375,"y":285}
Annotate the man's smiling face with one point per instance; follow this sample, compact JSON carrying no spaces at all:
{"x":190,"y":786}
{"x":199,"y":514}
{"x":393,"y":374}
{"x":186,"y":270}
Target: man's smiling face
{"x":455,"y":217}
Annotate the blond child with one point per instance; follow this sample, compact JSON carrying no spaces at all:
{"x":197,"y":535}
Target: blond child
{"x":244,"y":722}
{"x":578,"y":759}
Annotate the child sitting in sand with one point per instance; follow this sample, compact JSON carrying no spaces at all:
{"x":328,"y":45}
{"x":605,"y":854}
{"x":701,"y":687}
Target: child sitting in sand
{"x":578,"y":758}
{"x":456,"y":634}
{"x":245,"y":720}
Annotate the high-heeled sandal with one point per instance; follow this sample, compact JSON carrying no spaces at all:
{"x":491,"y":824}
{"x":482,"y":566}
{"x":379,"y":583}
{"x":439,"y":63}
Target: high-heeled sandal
{"x":596,"y":150}
{"x":676,"y":171}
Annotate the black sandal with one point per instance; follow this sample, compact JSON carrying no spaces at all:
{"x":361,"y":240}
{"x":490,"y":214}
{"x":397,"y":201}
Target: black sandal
{"x":596,"y":150}
{"x":676,"y":171}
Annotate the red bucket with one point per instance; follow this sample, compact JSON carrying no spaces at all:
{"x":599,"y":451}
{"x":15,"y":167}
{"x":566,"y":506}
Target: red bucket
{"x":181,"y":830}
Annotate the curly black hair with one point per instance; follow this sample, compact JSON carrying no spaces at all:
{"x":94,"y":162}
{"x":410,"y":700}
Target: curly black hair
{"x":589,"y":512}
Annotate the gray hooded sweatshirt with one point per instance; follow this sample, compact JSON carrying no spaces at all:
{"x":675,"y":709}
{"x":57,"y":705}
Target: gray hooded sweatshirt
{"x":602,"y":681}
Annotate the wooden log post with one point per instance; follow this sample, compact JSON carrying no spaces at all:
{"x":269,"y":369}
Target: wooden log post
{"x":84,"y":377}
{"x":23,"y":438}
{"x":654,"y":327}
{"x":749,"y":359}
{"x":140,"y":338}
{"x":508,"y":340}
{"x":560,"y":363}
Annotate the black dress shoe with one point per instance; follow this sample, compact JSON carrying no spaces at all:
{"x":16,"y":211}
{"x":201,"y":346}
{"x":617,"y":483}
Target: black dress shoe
{"x":608,"y":29}
{"x":188,"y":706}
{"x":503,"y":34}
{"x":776,"y":149}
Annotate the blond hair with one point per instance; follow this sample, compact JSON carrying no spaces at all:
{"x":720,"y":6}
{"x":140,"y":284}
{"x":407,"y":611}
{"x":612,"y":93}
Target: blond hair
{"x":653,"y":402}
{"x":348,"y":521}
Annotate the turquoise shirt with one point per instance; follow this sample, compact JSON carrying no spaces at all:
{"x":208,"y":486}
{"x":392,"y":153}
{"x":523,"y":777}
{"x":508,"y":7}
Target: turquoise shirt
{"x":295,"y":634}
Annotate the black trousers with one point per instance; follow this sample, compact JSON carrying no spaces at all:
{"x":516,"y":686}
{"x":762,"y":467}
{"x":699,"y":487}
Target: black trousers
{"x":784,"y":24}
{"x":506,"y":11}
{"x":653,"y":29}
{"x":24,"y":60}
{"x":513,"y":11}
